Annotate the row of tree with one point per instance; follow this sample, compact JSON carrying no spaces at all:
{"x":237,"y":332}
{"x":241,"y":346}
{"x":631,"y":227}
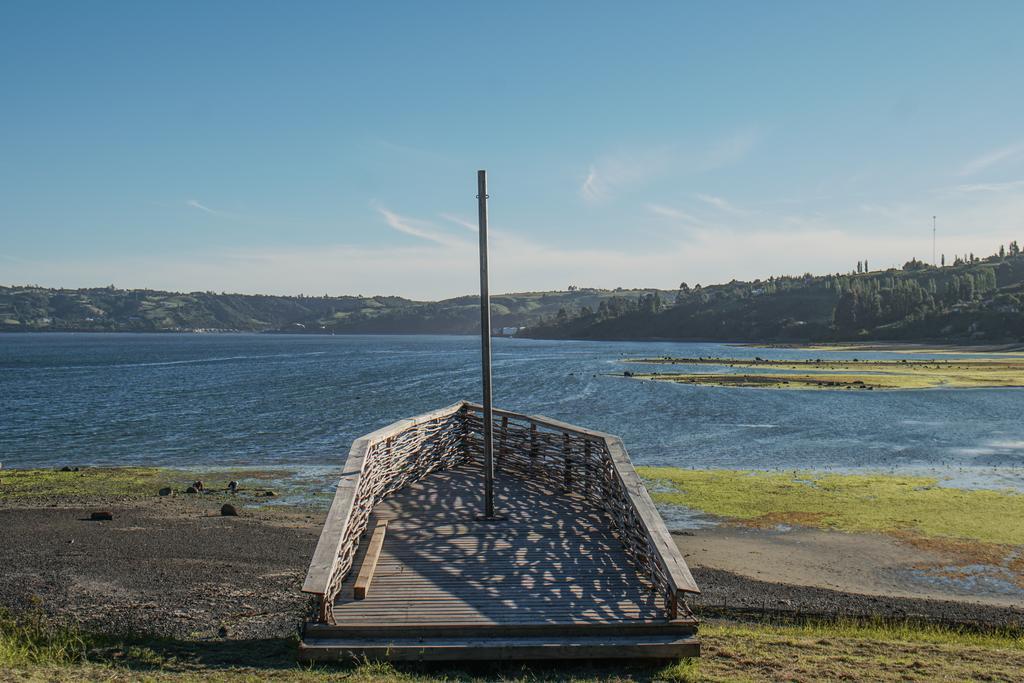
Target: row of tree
{"x":918,"y":299}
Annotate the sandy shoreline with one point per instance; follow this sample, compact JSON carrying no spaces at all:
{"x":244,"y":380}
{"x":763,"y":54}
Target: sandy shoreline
{"x":853,"y":563}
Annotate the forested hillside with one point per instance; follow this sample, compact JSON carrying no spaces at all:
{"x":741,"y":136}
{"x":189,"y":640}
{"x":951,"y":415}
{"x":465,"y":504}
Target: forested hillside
{"x":136,"y":310}
{"x":972,"y":299}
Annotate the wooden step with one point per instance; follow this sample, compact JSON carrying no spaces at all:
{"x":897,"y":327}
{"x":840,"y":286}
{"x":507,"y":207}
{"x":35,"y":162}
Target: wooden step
{"x":574,"y":646}
{"x":384,"y":630}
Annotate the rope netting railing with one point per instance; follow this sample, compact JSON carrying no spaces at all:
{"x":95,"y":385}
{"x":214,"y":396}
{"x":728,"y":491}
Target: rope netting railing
{"x":379,"y":464}
{"x":566,"y":459}
{"x":575,"y":461}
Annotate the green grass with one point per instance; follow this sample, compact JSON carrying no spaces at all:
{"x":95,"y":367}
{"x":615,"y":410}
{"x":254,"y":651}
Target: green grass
{"x":29,"y":641}
{"x":845,"y":650}
{"x":846,"y":502}
{"x":25,"y":485}
{"x":815,"y":650}
{"x":35,"y":486}
{"x":883,"y":630}
{"x":35,"y":651}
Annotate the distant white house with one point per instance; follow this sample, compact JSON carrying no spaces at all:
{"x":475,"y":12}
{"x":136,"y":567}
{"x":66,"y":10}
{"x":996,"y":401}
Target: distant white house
{"x":508,"y":331}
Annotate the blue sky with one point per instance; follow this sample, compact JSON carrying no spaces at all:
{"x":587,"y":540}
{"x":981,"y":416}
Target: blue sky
{"x":332,"y":147}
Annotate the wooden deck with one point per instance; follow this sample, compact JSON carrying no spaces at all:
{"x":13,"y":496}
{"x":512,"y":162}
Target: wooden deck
{"x":552,"y":579}
{"x":552,"y":561}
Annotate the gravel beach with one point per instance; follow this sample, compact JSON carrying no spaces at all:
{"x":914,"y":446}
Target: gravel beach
{"x":170,"y":567}
{"x":174,"y":567}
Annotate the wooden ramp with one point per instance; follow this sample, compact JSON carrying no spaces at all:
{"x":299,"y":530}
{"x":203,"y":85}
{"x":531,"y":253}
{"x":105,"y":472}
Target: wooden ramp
{"x":557,"y":578}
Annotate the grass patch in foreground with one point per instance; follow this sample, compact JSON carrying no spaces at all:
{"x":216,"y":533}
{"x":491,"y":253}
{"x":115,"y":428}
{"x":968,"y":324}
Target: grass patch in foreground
{"x":30,"y":641}
{"x":846,"y":502}
{"x":817,"y":650}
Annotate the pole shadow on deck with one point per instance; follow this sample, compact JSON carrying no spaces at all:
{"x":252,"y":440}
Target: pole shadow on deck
{"x":581,"y":565}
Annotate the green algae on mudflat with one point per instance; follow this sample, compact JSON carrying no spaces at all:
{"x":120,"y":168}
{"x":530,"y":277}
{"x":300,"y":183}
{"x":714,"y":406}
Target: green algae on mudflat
{"x":87,"y":482}
{"x":1002,"y":350}
{"x":844,"y":374}
{"x":913,"y":505}
{"x":84,"y":484}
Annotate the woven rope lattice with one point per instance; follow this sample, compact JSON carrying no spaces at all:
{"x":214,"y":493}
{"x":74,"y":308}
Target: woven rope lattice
{"x":567,"y":461}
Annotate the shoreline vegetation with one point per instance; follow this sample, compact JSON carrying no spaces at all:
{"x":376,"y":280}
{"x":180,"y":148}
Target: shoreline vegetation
{"x":842,"y":374}
{"x":105,"y":614}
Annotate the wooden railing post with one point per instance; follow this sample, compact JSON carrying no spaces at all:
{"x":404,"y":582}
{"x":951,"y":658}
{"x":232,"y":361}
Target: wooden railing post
{"x":567,"y":450}
{"x":464,"y":431}
{"x":586,"y":467}
{"x":324,"y":611}
{"x":502,"y":443}
{"x":533,"y":446}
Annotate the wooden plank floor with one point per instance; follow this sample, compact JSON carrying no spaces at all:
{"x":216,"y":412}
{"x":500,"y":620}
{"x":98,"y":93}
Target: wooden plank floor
{"x":552,"y":560}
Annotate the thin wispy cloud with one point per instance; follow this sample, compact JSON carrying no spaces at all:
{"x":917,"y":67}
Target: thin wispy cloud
{"x":497,"y":236}
{"x":615,"y":173}
{"x":671,"y":212}
{"x":612,"y":174}
{"x":992,"y":187}
{"x":1014,"y":152}
{"x":427,"y":270}
{"x":460,"y":221}
{"x":424,"y":230}
{"x":593,"y":189}
{"x":408,"y":151}
{"x":730,"y":150}
{"x":438,"y":264}
{"x":722,"y":204}
{"x":198,"y":205}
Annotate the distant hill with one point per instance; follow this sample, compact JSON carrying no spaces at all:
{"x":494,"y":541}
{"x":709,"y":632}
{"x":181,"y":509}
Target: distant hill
{"x":972,"y":300}
{"x":109,"y":309}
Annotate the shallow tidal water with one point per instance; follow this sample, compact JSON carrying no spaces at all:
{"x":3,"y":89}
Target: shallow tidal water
{"x":297,"y":402}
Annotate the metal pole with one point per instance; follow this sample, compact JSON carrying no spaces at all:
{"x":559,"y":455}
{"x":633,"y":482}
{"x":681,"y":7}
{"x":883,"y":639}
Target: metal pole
{"x":485,"y":349}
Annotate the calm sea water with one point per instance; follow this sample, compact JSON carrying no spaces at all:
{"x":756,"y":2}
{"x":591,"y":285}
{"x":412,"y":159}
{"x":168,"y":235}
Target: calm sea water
{"x":299,"y":401}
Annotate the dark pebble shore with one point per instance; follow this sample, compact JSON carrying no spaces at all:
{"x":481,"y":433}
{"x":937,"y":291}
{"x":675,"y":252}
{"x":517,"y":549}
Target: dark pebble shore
{"x":168,"y":567}
{"x":175,"y":567}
